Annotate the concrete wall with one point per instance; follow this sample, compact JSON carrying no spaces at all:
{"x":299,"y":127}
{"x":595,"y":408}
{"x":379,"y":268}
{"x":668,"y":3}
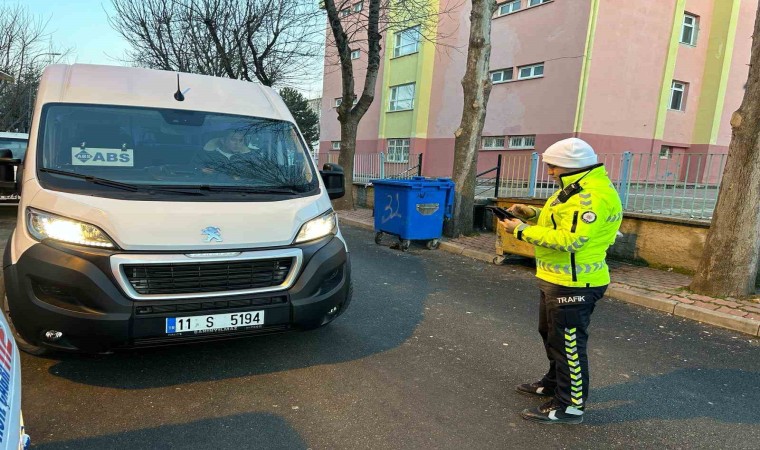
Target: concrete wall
{"x":660,"y":242}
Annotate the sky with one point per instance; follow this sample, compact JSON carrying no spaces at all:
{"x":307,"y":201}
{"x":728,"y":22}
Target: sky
{"x":82,"y":26}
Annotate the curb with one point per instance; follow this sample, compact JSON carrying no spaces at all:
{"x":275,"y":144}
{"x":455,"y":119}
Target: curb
{"x":355,"y":223}
{"x":672,"y":307}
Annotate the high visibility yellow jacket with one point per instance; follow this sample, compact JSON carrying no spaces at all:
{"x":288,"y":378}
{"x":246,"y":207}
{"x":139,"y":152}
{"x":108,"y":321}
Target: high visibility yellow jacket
{"x":571,"y":238}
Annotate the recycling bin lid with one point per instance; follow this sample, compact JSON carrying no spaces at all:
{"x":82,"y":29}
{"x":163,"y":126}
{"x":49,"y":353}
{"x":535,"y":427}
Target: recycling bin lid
{"x":415,"y":182}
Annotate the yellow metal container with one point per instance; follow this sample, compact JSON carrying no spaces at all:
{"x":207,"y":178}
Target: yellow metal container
{"x":507,"y":244}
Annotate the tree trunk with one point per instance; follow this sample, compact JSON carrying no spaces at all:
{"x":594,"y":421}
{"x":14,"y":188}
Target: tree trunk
{"x":348,"y":129}
{"x":477,"y":87}
{"x":730,"y":260}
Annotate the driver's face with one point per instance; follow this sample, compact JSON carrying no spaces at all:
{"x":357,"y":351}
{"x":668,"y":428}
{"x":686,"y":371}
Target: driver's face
{"x":234,"y":143}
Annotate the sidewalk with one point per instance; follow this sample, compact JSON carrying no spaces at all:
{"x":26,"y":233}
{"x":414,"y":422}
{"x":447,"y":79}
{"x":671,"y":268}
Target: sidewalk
{"x":656,"y":289}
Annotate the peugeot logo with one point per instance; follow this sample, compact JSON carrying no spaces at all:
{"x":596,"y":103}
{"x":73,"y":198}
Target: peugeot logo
{"x":213,"y":234}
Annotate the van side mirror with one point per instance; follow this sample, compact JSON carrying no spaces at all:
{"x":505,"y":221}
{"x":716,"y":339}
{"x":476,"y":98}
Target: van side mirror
{"x":332,"y":176}
{"x":8,"y":166}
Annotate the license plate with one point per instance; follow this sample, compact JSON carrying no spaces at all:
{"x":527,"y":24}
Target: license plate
{"x":215,"y":322}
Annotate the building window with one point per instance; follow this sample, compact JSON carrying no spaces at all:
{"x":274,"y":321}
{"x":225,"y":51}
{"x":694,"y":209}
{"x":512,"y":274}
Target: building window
{"x":689,"y":29}
{"x":402,"y":97}
{"x":527,"y":72}
{"x":501,"y":76}
{"x":344,"y":12}
{"x":493,"y":142}
{"x":509,"y":7}
{"x":666,"y":152}
{"x":336,"y":145}
{"x":406,"y":41}
{"x":355,"y":54}
{"x":537,"y":2}
{"x":677,"y":95}
{"x":358,"y":7}
{"x":398,"y":151}
{"x":338,"y":101}
{"x":522,"y":142}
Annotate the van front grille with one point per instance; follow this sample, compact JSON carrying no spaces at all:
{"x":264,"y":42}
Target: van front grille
{"x":187,"y":278}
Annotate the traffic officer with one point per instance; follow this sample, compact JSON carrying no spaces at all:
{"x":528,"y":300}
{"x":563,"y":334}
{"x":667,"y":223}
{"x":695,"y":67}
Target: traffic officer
{"x":571,"y":234}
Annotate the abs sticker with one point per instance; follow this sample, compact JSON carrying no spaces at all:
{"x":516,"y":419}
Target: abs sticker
{"x":588,"y":217}
{"x":113,"y":157}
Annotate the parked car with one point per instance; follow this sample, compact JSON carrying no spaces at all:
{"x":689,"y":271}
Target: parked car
{"x":161,"y":208}
{"x":16,"y":143}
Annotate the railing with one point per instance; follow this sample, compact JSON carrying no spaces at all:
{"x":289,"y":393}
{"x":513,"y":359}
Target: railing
{"x":483,"y":185}
{"x":372,"y":166}
{"x":678,"y":185}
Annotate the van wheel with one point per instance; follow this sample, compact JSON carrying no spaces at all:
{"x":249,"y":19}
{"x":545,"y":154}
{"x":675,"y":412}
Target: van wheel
{"x":23,"y":345}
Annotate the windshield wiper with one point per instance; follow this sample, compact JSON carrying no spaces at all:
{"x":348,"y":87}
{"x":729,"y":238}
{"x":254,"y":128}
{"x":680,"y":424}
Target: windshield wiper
{"x":116,"y":184}
{"x":91,"y":179}
{"x":172,"y":189}
{"x":254,"y":189}
{"x":244,"y":189}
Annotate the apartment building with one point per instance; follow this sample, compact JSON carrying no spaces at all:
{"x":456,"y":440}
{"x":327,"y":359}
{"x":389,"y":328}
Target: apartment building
{"x":660,"y":77}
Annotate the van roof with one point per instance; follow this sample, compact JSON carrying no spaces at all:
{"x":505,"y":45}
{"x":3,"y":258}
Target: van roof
{"x":132,"y":86}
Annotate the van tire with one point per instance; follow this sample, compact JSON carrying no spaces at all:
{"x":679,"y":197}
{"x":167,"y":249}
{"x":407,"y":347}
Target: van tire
{"x":22,"y":343}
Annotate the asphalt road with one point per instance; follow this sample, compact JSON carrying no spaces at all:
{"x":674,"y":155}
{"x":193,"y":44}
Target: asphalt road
{"x":426,"y":357}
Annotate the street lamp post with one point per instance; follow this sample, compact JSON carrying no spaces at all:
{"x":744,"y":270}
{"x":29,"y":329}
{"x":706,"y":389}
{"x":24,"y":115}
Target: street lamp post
{"x":31,"y":107}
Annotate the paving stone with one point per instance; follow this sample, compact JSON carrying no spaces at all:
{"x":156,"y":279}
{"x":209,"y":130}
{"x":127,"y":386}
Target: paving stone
{"x":732,"y":311}
{"x":680,"y":299}
{"x":753,"y":309}
{"x":702,"y":298}
{"x":708,"y":306}
{"x":728,"y":303}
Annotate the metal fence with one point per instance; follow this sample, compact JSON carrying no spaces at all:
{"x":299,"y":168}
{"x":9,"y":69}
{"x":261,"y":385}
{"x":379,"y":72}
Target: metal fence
{"x":372,"y":166}
{"x":678,"y":185}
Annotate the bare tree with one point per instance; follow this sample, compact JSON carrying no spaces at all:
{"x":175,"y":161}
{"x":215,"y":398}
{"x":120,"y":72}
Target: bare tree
{"x":730,"y":258}
{"x":275,"y":42}
{"x":24,"y":50}
{"x":477,"y":87}
{"x":365,"y":29}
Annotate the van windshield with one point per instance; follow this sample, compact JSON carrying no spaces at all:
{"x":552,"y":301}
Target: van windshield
{"x":170,"y":151}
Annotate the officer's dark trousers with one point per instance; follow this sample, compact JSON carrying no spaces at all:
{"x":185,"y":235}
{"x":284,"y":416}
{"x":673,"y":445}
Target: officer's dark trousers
{"x":564,"y":316}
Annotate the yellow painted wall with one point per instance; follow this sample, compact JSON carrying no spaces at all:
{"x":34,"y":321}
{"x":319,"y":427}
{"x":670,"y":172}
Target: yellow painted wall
{"x":715,"y":81}
{"x":586,"y":66}
{"x":415,"y":68}
{"x":670,"y":67}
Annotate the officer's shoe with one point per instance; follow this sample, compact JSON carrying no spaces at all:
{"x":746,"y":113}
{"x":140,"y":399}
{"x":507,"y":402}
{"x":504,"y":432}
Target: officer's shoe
{"x":553,"y":412}
{"x":536,"y":388}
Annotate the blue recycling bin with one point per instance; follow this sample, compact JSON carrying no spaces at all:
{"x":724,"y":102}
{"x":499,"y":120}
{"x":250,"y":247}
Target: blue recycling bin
{"x":413,"y":209}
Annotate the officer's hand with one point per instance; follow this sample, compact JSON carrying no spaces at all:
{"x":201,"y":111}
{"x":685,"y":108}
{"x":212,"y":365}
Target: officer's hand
{"x":511,"y":224}
{"x":522,"y":211}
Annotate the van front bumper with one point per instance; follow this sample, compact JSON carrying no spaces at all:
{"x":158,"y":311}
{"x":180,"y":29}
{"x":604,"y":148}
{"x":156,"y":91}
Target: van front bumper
{"x":60,"y":288}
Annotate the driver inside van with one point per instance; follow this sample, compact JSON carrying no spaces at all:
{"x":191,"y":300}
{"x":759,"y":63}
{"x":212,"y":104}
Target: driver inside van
{"x":228,"y":154}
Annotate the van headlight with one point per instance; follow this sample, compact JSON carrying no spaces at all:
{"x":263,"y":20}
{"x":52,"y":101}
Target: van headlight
{"x":43,"y":225}
{"x":318,"y":227}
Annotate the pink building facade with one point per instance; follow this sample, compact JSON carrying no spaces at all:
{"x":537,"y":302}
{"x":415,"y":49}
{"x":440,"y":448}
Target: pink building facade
{"x":652,"y":78}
